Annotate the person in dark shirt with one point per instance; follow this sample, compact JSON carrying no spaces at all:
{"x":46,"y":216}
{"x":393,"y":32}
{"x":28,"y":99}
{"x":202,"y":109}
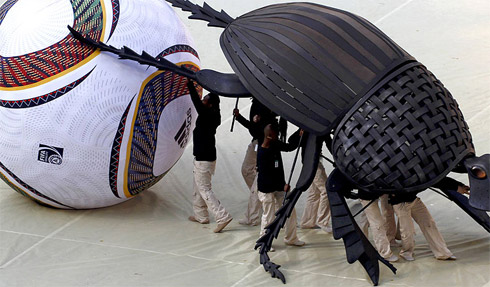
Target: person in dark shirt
{"x":260,"y":116}
{"x":408,"y":206}
{"x":271,"y":183}
{"x":204,"y":151}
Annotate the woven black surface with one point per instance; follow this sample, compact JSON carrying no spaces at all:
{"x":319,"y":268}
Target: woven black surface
{"x":407,"y":135}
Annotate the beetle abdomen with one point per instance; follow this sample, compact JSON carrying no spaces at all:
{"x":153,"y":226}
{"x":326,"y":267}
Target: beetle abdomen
{"x":309,"y":63}
{"x":406,"y":134}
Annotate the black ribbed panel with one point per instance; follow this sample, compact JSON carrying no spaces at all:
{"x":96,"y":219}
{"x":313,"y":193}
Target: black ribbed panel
{"x":309,"y":63}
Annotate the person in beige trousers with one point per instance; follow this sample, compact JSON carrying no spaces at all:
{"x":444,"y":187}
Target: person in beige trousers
{"x":204,"y":152}
{"x":408,"y":207}
{"x":271,"y":182}
{"x":317,"y":208}
{"x":407,"y":210}
{"x":389,"y":218}
{"x":260,"y":116}
{"x":249,"y":173}
{"x":377,"y":225}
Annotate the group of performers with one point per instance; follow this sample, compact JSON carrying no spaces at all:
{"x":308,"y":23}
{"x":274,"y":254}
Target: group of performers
{"x":263,"y":172}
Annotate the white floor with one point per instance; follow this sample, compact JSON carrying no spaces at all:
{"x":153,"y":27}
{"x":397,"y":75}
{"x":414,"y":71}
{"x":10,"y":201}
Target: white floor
{"x":149,"y":242}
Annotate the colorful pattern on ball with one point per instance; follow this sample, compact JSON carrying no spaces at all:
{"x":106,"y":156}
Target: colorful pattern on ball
{"x":25,"y":70}
{"x":160,"y":91}
{"x":41,"y":100}
{"x":116,"y":150}
{"x":115,"y":16}
{"x":5,"y":8}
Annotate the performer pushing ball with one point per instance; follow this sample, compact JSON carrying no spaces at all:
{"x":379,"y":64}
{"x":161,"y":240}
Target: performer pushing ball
{"x":207,"y":122}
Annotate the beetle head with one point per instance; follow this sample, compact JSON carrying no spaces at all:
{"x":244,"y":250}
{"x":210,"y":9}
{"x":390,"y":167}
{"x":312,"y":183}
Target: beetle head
{"x":478,"y":172}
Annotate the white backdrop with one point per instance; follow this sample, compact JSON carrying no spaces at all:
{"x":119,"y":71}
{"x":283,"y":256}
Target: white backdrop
{"x":149,"y":242}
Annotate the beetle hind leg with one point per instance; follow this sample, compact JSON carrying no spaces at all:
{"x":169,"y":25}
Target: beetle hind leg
{"x":357,"y":246}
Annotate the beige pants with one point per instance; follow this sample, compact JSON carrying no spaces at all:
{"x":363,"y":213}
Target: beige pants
{"x":203,"y":196}
{"x":361,"y":219}
{"x":377,"y":224}
{"x":249,"y":173}
{"x":389,"y":217}
{"x":419,"y":212}
{"x":271,"y":202}
{"x":317,"y":208}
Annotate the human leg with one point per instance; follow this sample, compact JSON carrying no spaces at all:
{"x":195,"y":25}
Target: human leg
{"x":199,"y":206}
{"x":427,"y":225}
{"x":324,"y":214}
{"x":309,"y":217}
{"x":249,"y":164}
{"x":203,"y":173}
{"x":249,"y":173}
{"x":407,"y":229}
{"x":268,"y":209}
{"x":389,"y":218}
{"x":290,"y":237}
{"x":254,"y":208}
{"x":376,"y":223}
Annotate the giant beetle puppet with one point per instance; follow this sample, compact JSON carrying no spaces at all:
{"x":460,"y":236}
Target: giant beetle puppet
{"x":390,"y":125}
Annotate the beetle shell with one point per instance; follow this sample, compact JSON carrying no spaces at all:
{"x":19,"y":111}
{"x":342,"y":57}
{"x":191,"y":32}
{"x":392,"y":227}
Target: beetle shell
{"x":309,"y":63}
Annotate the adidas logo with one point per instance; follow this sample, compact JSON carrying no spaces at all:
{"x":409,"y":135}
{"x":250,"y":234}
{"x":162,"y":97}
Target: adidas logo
{"x":182,"y":137}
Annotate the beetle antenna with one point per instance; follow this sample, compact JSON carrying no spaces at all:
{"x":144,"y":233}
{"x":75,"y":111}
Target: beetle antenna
{"x":205,"y":13}
{"x":128,"y":54}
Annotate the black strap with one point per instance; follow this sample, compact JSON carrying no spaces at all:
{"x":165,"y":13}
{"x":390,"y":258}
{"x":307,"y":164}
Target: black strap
{"x":294,"y":164}
{"x":365,"y":207}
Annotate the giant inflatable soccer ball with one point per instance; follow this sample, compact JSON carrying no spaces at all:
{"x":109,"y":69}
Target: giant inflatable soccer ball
{"x":80,"y":128}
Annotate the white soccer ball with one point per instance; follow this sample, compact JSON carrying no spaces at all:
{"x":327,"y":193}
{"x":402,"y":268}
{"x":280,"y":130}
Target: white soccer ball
{"x":80,"y":128}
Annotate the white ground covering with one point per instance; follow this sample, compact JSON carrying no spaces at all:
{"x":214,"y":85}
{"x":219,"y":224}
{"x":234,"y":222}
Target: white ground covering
{"x":149,"y":242}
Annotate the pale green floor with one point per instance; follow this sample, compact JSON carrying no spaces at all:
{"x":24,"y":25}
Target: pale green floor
{"x":149,"y":242}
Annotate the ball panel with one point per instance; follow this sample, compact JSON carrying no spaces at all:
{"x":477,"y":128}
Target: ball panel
{"x":158,"y":91}
{"x":23,"y":188}
{"x":174,"y":133}
{"x":37,"y":67}
{"x":41,"y":100}
{"x":5,"y":8}
{"x":46,"y":25}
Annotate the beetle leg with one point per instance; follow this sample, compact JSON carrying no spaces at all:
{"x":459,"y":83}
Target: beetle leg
{"x":272,"y":231}
{"x":480,"y":216}
{"x":357,"y":246}
{"x":311,"y":158}
{"x":205,"y":13}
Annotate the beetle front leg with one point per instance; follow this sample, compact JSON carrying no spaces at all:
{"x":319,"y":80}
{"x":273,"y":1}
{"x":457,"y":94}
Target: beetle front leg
{"x":272,"y":231}
{"x":311,"y":158}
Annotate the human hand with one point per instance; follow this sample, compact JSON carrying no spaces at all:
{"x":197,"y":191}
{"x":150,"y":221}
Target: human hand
{"x":463,"y":189}
{"x":236,"y":112}
{"x":286,"y":187}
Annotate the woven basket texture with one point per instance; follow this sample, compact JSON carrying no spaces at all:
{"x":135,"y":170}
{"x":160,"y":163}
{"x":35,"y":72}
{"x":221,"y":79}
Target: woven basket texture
{"x":405,"y":136}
